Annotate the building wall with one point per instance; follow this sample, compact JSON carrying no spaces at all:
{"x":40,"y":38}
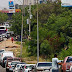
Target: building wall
{"x":27,"y":2}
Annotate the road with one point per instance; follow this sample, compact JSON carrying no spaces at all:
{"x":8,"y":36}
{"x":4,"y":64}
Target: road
{"x":2,"y":69}
{"x":7,"y":43}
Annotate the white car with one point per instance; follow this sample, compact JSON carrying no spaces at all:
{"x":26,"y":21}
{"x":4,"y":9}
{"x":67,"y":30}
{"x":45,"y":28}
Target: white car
{"x":44,"y":66}
{"x":29,"y":67}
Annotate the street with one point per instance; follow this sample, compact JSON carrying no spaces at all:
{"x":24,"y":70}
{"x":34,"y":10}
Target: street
{"x":2,"y":69}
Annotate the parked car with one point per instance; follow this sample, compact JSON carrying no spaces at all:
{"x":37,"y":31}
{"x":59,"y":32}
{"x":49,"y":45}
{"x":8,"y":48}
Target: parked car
{"x":12,"y":65}
{"x":66,"y":64}
{"x":29,"y":68}
{"x":19,"y":67}
{"x":44,"y":66}
{"x":9,"y":60}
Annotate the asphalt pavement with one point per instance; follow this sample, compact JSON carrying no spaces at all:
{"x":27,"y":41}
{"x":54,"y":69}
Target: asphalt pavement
{"x":2,"y":69}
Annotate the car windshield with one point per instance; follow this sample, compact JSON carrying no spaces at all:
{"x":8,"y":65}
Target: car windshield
{"x":44,"y":64}
{"x":69,"y":59}
{"x":13,"y":63}
{"x":18,"y":66}
{"x":30,"y":67}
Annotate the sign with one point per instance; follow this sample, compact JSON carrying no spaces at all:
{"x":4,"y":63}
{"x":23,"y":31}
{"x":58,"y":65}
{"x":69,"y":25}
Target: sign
{"x":66,"y":3}
{"x":11,"y":10}
{"x":11,"y":4}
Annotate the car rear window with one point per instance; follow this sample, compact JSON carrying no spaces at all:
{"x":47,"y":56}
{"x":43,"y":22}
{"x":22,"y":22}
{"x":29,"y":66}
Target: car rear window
{"x":13,"y":63}
{"x":30,"y":67}
{"x":1,"y":50}
{"x":69,"y":59}
{"x":44,"y":64}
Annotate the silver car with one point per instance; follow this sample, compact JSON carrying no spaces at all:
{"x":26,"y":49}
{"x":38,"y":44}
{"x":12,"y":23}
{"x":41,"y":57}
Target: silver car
{"x":44,"y":67}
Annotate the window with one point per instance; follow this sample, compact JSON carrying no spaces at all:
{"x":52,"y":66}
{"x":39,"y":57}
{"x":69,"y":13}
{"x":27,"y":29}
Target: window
{"x":44,"y":64}
{"x":2,"y":27}
{"x":69,"y":59}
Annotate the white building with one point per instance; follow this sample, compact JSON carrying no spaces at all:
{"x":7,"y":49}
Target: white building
{"x":27,"y":2}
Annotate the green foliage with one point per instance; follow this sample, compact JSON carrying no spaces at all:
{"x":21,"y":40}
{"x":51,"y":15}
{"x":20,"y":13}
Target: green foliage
{"x":3,"y":17}
{"x":55,"y":30}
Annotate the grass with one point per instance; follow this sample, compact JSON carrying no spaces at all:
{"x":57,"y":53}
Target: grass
{"x":25,"y":55}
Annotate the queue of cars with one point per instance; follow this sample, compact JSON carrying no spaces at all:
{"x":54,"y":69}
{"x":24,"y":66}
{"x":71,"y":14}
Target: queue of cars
{"x":15,"y":64}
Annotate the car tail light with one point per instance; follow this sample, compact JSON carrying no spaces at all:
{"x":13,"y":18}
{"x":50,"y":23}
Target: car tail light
{"x":25,"y":66}
{"x":68,"y":66}
{"x":9,"y":66}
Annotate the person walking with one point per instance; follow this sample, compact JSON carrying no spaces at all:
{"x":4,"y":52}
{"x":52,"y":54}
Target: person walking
{"x":12,"y":39}
{"x":55,"y":66}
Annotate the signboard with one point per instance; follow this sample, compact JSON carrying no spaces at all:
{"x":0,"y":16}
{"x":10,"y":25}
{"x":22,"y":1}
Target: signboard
{"x":66,"y":3}
{"x":11,"y":10}
{"x":11,"y":4}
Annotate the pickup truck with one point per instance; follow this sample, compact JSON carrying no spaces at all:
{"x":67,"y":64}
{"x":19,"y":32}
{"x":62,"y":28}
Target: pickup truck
{"x":44,"y":67}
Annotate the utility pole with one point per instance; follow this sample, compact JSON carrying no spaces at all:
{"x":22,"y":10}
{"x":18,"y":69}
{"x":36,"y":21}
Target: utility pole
{"x":37,"y":35}
{"x":29,"y":17}
{"x":22,"y":29}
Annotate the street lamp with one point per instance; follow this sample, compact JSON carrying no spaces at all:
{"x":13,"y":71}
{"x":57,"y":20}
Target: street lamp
{"x":37,"y":35}
{"x":22,"y":29}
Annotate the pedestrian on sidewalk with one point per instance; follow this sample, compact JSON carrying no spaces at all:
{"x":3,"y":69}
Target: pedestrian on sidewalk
{"x":12,"y":39}
{"x":55,"y":66}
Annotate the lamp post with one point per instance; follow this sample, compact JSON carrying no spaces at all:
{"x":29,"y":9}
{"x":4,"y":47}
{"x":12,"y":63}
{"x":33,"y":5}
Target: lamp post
{"x":22,"y":29}
{"x":37,"y":35}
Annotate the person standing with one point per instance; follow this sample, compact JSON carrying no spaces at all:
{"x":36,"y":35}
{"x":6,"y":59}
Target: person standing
{"x":55,"y":66}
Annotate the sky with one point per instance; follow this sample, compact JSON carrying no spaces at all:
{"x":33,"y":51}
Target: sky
{"x":4,"y":3}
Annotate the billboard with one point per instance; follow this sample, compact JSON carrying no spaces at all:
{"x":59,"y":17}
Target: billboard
{"x":66,"y":3}
{"x":11,"y":6}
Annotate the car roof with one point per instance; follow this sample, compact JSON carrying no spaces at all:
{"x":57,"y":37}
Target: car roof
{"x":15,"y":61}
{"x":44,"y":62}
{"x":30,"y":64}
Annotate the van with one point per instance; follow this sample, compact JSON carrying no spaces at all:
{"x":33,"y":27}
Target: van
{"x":4,"y":54}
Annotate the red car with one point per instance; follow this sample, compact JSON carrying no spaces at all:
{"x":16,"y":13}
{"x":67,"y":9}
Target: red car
{"x":65,"y":66}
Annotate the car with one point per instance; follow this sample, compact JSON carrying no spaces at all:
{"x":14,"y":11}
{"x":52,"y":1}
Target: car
{"x":29,"y":68}
{"x":5,"y":60}
{"x":66,"y":64}
{"x":9,"y":60}
{"x":12,"y":65}
{"x":44,"y":66}
{"x":2,"y":50}
{"x":4,"y":54}
{"x":19,"y":66}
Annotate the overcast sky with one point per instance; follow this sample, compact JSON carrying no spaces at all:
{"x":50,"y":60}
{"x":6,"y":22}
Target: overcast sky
{"x":4,"y":3}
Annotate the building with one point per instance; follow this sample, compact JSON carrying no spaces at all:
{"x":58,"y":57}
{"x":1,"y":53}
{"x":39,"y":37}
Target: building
{"x":27,"y":2}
